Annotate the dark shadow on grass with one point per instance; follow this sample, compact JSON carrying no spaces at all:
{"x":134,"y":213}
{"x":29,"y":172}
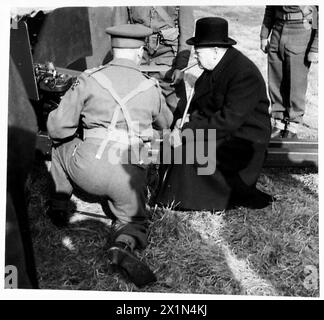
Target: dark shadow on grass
{"x":296,"y":170}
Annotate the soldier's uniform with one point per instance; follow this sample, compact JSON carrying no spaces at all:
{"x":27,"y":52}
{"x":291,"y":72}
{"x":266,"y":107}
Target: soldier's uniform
{"x":97,"y":102}
{"x":294,"y":33}
{"x":167,"y":46}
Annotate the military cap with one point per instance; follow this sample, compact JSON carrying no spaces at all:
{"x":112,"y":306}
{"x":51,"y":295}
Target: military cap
{"x":128,"y":35}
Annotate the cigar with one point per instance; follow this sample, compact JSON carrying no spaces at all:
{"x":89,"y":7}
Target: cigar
{"x":189,"y":67}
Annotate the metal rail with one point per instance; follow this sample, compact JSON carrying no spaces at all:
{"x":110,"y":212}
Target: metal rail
{"x":292,"y":153}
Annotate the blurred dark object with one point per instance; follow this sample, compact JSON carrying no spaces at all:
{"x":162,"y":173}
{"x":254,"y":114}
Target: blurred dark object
{"x":22,"y":130}
{"x":20,"y":52}
{"x":34,"y":26}
{"x":61,"y":36}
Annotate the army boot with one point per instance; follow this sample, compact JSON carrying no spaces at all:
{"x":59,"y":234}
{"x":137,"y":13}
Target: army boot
{"x":122,"y":259}
{"x":278,"y":129}
{"x":291,"y":131}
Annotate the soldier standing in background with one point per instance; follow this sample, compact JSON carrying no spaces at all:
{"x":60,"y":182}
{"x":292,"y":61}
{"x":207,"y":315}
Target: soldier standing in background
{"x":292,"y":48}
{"x":171,"y":25}
{"x":108,"y":101}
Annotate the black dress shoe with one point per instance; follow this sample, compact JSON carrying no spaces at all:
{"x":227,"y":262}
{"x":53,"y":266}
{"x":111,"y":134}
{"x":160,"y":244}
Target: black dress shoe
{"x":259,"y":199}
{"x":276,"y":133}
{"x":290,"y":135}
{"x":253,"y":199}
{"x":59,"y":218}
{"x":128,"y":264}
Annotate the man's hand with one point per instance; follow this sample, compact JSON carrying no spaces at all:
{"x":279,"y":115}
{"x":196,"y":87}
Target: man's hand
{"x":312,"y":57}
{"x":177,"y":76}
{"x":175,"y":137}
{"x":264,"y":45}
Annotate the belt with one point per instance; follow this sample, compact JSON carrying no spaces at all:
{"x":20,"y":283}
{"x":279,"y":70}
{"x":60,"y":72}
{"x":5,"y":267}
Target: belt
{"x":117,"y":135}
{"x":122,"y":138}
{"x":290,"y":16}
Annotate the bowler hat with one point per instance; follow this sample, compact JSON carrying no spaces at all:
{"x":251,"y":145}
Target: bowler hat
{"x":128,"y":35}
{"x":211,"y":31}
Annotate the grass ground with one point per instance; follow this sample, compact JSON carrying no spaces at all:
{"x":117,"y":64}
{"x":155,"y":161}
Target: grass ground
{"x":273,"y":251}
{"x":241,"y":251}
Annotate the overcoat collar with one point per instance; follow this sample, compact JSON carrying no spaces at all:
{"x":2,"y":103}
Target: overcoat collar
{"x":213,"y":75}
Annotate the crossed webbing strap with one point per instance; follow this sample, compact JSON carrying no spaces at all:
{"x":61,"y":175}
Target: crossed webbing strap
{"x":106,"y":83}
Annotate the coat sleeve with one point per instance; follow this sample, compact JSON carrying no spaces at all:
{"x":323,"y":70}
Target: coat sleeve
{"x":63,"y":121}
{"x":268,"y":21}
{"x":186,"y":29}
{"x":242,"y":96}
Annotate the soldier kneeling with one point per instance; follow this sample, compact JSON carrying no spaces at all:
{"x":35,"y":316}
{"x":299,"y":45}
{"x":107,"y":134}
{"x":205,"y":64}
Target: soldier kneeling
{"x":107,"y":102}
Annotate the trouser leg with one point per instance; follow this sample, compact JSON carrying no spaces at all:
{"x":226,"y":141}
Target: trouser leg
{"x":129,"y":208}
{"x":294,"y":42}
{"x":297,"y":70}
{"x":278,"y":89}
{"x":124,"y":185}
{"x":62,"y":188}
{"x":131,"y":227}
{"x":277,"y":85}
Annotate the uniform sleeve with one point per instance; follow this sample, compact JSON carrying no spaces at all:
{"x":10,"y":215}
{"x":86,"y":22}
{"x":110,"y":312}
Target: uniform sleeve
{"x":63,"y":121}
{"x":164,"y":118}
{"x":186,"y":28}
{"x":240,"y":100}
{"x":268,"y":21}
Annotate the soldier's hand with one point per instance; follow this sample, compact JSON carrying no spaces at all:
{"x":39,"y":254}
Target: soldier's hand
{"x":264,"y":45}
{"x":312,"y":57}
{"x":175,"y":137}
{"x":177,"y":76}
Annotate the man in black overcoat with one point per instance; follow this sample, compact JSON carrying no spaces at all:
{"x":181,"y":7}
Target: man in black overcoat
{"x":230,"y":106}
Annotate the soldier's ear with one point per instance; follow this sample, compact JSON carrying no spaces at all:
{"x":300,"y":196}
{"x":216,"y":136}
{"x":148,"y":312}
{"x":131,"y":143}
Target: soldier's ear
{"x":140,"y":53}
